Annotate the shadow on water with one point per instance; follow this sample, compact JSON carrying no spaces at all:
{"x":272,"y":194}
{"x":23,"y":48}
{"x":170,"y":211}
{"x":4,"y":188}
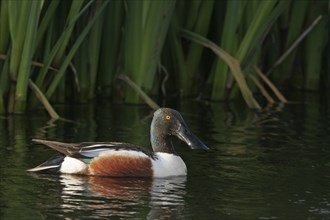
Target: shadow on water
{"x":262,"y":165}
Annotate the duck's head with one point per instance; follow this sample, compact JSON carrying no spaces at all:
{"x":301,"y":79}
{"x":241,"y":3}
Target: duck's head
{"x":169,"y":122}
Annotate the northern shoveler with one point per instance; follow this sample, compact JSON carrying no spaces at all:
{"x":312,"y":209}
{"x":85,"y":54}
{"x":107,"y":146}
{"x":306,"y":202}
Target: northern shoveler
{"x":116,"y":159}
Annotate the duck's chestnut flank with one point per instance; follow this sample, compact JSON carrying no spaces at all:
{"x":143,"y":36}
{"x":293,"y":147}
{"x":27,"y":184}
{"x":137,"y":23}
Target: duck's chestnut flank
{"x":115,"y":159}
{"x":121,"y":165}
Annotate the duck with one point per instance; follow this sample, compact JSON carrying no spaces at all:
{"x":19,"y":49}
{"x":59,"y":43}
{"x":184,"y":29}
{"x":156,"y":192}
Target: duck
{"x":117,"y":159}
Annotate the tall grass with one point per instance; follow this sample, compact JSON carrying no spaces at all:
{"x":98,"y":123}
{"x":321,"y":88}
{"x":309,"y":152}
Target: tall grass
{"x":111,"y":42}
{"x":145,"y":31}
{"x":187,"y":61}
{"x":315,"y":45}
{"x":73,"y":51}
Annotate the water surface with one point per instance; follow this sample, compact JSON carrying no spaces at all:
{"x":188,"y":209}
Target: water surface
{"x":273,"y":164}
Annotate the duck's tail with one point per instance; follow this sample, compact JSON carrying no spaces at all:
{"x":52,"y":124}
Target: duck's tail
{"x":54,"y":163}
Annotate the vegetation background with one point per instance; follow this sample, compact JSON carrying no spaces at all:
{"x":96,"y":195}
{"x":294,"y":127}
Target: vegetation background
{"x":54,"y":51}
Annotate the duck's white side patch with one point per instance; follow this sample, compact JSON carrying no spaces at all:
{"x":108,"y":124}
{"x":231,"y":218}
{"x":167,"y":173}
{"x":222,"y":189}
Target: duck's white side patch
{"x":73,"y":166}
{"x":168,"y":165}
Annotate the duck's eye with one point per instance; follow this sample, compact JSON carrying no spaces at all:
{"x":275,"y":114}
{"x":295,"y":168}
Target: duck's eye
{"x":167,"y":117}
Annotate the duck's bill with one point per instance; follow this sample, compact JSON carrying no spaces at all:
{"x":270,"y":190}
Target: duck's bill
{"x":193,"y":142}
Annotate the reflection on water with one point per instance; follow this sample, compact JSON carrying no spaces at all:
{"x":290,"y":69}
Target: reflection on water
{"x":167,"y":198}
{"x":272,"y":164}
{"x":161,"y":198}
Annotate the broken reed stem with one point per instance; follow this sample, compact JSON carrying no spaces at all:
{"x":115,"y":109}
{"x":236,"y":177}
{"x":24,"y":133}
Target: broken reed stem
{"x":270,"y":84}
{"x":139,"y":91}
{"x":262,"y":89}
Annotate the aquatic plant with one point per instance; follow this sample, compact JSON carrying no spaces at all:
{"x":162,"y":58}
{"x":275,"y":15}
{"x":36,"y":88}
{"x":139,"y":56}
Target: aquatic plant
{"x":128,"y":50}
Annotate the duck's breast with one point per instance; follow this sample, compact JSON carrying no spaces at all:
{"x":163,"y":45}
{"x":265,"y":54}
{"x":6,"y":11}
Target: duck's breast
{"x":167,"y":164}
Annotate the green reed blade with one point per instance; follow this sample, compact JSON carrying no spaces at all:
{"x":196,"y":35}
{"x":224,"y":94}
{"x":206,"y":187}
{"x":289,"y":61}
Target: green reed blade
{"x":73,"y":50}
{"x":4,"y":74}
{"x":110,"y":49}
{"x":133,"y":40}
{"x":59,"y":94}
{"x":27,"y":54}
{"x":4,"y":27}
{"x":194,"y":56}
{"x":144,"y":41}
{"x":192,"y":12}
{"x":177,"y":55}
{"x":294,"y":45}
{"x":46,"y":20}
{"x":81,"y":64}
{"x":187,"y":62}
{"x":157,"y":38}
{"x":71,"y":19}
{"x":94,"y":44}
{"x":315,"y":44}
{"x":266,"y":15}
{"x":4,"y":84}
{"x":297,"y":17}
{"x":2,"y":103}
{"x":18,"y":11}
{"x":229,"y":41}
{"x":263,"y":11}
{"x":60,"y":41}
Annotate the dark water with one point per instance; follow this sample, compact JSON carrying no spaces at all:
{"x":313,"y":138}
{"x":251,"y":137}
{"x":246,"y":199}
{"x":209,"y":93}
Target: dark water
{"x":273,"y":164}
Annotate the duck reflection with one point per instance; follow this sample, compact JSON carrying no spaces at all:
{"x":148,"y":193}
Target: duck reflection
{"x":124,"y":197}
{"x":167,"y":198}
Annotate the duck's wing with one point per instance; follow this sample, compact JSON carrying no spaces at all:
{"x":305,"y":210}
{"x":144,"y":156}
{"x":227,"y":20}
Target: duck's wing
{"x":64,"y":148}
{"x":91,"y":149}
